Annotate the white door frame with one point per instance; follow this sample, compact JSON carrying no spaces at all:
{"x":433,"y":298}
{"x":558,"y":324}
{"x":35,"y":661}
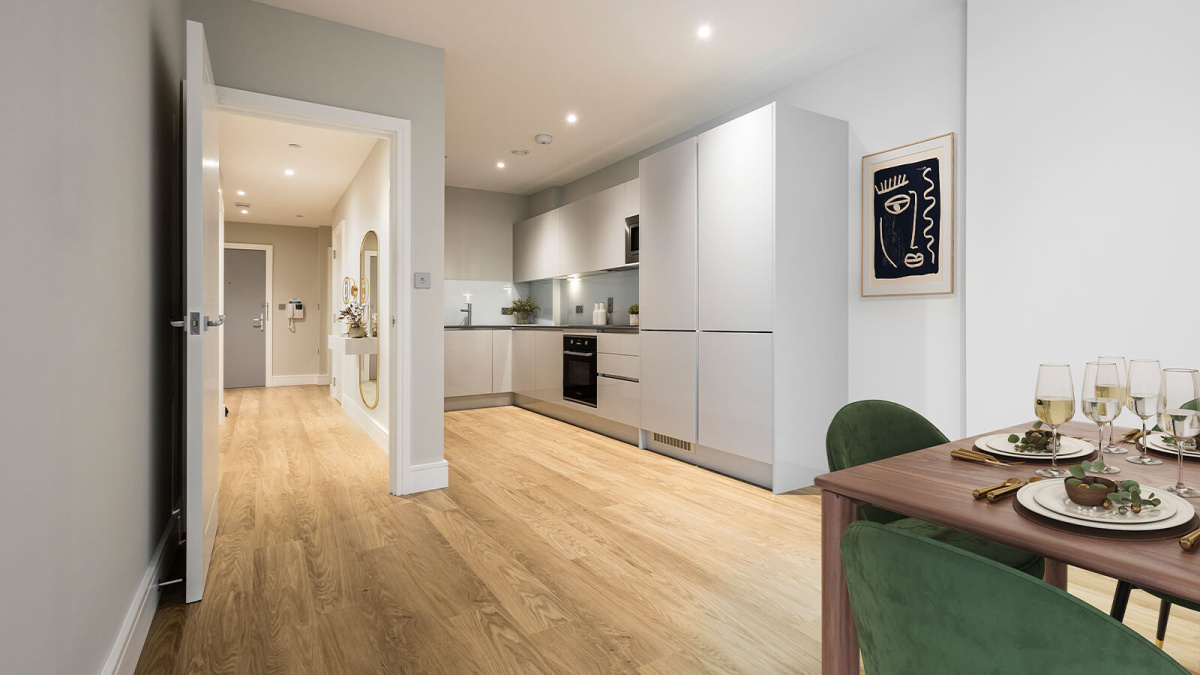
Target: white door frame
{"x":399,"y":133}
{"x":270,"y":249}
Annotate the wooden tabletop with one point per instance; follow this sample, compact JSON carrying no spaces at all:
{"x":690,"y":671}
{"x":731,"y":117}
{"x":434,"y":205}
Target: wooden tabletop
{"x":929,"y":485}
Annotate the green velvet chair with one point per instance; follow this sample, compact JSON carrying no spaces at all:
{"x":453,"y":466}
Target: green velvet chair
{"x":923,"y":607}
{"x":866,"y":431}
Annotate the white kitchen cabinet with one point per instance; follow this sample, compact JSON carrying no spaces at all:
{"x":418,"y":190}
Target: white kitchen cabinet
{"x":618,"y":400}
{"x":736,"y":224}
{"x":502,"y":380}
{"x":575,"y":240}
{"x":667,"y":277}
{"x":736,"y":397}
{"x":668,"y":383}
{"x":523,"y":381}
{"x":468,"y":362}
{"x":618,"y":343}
{"x":548,"y":365}
{"x":607,"y":243}
{"x":536,"y":247}
{"x":632,"y":197}
{"x":618,"y":365}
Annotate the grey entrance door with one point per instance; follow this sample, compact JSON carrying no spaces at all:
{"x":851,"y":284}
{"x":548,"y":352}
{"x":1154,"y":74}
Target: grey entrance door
{"x":245,"y":318}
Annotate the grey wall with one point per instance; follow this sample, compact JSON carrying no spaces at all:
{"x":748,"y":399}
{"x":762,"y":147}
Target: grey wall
{"x":89,"y":177}
{"x":273,"y":51}
{"x":296,"y":273}
{"x":479,"y":233}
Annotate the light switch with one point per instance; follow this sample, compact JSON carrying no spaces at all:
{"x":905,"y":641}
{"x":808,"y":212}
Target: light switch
{"x":422,"y":280}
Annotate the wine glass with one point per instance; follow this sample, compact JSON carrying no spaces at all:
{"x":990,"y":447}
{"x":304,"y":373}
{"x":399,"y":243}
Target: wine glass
{"x":1178,"y":417}
{"x":1054,"y":404}
{"x":1145,"y":378}
{"x":1123,"y":382}
{"x":1101,"y":400}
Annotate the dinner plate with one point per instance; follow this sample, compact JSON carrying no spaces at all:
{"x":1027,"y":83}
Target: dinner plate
{"x":1070,"y":448}
{"x":1056,"y":500}
{"x":1184,"y":510}
{"x":1156,"y":442}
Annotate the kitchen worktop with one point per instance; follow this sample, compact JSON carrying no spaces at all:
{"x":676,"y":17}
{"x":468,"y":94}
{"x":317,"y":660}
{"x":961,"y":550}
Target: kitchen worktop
{"x":534,"y":326}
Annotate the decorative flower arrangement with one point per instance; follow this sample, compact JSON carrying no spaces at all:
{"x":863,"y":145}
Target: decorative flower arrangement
{"x":352,"y":314}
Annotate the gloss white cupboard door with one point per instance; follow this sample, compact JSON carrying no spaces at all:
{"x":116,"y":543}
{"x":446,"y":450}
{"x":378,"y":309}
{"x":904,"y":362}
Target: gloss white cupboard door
{"x":737,"y":224}
{"x":667,"y":276}
{"x":536,"y":247}
{"x":607,"y":243}
{"x":502,"y":371}
{"x":548,"y":365}
{"x":202,"y":324}
{"x":737,"y":394}
{"x":522,"y":362}
{"x":468,"y":362}
{"x":618,"y":400}
{"x":633,"y":198}
{"x":667,"y":369}
{"x":576,"y":221}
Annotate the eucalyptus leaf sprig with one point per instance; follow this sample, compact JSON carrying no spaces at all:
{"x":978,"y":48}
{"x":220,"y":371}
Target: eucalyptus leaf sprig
{"x":1128,"y":496}
{"x":1034,"y":441}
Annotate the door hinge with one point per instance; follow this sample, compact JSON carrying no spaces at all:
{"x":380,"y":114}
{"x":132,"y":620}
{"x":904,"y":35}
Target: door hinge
{"x":335,"y":254}
{"x":335,"y":381}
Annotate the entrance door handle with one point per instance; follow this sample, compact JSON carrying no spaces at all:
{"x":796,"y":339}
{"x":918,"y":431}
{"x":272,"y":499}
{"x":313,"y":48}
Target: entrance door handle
{"x":260,"y":323}
{"x":209,"y":323}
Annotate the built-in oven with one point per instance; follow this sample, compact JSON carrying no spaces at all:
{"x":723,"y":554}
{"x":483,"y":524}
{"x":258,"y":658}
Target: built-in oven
{"x":579,"y":369}
{"x":633,"y":240}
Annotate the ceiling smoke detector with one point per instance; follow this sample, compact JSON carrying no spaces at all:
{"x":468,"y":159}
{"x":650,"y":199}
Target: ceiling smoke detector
{"x":543,"y":139}
{"x":520,"y":152}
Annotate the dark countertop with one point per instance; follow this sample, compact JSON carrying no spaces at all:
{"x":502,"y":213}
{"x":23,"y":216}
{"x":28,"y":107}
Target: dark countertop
{"x":533,"y":326}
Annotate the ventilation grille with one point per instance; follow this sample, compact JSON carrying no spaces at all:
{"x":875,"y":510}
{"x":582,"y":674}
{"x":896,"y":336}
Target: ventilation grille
{"x":673,"y":442}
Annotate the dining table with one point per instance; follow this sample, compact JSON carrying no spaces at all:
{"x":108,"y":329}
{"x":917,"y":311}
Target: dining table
{"x":930,"y":485}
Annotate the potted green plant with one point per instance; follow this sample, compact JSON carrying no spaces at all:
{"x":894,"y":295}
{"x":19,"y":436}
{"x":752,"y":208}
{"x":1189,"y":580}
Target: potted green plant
{"x":633,"y":314}
{"x":523,"y":309}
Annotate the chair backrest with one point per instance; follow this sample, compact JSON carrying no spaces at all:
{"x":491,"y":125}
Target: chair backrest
{"x":866,"y":431}
{"x":922,"y":606}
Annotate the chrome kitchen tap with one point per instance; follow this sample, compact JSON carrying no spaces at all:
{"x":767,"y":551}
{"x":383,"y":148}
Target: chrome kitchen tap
{"x":468,"y":311}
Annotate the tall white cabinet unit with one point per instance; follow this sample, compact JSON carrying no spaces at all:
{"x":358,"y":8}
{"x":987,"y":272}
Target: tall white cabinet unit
{"x":768,"y":292}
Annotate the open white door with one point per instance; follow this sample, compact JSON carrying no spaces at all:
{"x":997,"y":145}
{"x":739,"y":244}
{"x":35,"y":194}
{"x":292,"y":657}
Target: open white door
{"x":203,"y":252}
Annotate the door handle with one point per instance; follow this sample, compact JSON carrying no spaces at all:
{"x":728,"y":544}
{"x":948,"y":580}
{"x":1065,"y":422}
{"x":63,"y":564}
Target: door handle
{"x":210,"y":323}
{"x":260,"y":323}
{"x":182,"y":323}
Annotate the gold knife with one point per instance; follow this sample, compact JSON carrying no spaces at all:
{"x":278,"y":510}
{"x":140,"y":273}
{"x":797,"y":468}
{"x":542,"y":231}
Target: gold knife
{"x":980,"y":493}
{"x":996,"y":495}
{"x":1189,"y":540}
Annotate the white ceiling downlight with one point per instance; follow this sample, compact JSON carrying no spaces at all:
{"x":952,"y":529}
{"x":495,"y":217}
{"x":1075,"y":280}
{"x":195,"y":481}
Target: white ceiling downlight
{"x":289,"y":172}
{"x":543,"y":139}
{"x":499,"y":165}
{"x":241,"y":193}
{"x":572,"y":118}
{"x":704,"y":32}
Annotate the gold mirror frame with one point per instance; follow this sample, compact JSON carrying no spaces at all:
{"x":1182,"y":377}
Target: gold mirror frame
{"x":370,"y":242}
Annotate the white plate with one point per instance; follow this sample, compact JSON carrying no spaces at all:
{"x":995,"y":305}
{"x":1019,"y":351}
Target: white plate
{"x":1156,"y":442}
{"x":1183,"y":513}
{"x":1070,"y":448}
{"x":1056,"y":500}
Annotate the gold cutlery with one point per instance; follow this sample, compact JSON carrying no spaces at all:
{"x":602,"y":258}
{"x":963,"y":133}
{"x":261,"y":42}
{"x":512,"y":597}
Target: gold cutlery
{"x":996,"y":495}
{"x":980,"y":458}
{"x":1189,"y":540}
{"x":980,"y":493}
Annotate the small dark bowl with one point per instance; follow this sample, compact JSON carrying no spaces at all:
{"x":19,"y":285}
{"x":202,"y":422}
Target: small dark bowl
{"x":1086,"y":495}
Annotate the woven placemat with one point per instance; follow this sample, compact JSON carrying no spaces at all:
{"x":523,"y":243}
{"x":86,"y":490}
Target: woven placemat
{"x":1097,"y":533}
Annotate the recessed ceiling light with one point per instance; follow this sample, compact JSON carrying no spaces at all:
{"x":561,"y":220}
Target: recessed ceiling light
{"x":241,"y":193}
{"x":572,"y":119}
{"x":520,"y":152}
{"x":293,"y":145}
{"x":704,"y":32}
{"x":499,"y":165}
{"x":245,"y":211}
{"x":289,"y":172}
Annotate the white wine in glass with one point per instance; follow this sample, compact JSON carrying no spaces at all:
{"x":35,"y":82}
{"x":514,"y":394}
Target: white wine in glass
{"x":1102,"y":399}
{"x":1145,"y":378}
{"x":1122,"y":390}
{"x":1054,"y":404}
{"x":1178,"y":399}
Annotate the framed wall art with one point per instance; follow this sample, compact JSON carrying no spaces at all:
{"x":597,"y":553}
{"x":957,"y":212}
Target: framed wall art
{"x":908,"y":219}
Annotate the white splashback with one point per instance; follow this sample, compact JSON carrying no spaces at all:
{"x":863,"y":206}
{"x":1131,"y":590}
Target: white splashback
{"x":486,"y":298}
{"x":621,"y":286}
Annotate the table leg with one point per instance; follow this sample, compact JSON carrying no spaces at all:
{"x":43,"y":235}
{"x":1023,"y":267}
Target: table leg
{"x":839,"y":638}
{"x":1056,"y":574}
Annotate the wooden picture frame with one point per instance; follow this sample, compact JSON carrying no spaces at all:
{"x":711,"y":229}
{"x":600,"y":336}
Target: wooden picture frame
{"x":908,"y":219}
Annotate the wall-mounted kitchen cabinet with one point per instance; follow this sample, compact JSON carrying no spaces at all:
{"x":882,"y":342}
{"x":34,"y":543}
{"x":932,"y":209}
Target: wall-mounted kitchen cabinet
{"x":536,"y":247}
{"x":587,"y":235}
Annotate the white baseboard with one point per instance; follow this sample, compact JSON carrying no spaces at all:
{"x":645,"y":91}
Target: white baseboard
{"x":423,"y":477}
{"x":373,"y":427}
{"x":323,"y":379}
{"x":296,"y":380}
{"x":123,"y":658}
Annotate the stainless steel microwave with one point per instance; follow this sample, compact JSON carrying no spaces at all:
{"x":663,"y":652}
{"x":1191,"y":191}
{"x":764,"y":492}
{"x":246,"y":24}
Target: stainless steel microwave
{"x":633,"y":241}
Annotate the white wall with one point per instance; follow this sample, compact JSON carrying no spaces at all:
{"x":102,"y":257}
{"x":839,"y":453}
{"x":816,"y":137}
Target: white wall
{"x":273,"y":51}
{"x":296,"y":273}
{"x":90,"y":181}
{"x":884,"y":111}
{"x":479,"y":233}
{"x":364,"y":208}
{"x":1082,"y":175}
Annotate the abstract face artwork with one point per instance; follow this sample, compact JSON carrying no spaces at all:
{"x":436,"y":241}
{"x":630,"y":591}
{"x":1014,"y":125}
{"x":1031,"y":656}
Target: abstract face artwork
{"x":907,"y":215}
{"x":908,"y":219}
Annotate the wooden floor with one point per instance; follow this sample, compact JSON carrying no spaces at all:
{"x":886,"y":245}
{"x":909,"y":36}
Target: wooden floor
{"x":554,"y":550}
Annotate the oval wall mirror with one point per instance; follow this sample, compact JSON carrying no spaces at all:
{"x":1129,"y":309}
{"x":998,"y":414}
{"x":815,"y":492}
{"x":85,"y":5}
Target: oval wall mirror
{"x":368,"y":364}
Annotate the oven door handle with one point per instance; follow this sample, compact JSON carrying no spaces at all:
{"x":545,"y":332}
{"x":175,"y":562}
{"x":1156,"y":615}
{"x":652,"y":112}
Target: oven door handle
{"x":567,"y":353}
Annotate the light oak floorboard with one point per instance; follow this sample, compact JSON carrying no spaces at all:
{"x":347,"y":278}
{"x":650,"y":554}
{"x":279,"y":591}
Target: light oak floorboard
{"x":554,"y":550}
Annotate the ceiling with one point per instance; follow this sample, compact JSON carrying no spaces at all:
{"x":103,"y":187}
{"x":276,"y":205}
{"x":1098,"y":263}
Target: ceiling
{"x":634,"y":71}
{"x":256,"y":152}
